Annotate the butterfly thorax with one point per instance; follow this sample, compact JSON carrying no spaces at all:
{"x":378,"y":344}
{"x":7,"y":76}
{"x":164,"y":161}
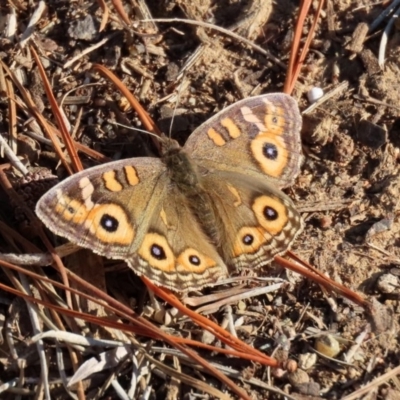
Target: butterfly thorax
{"x":186,"y":177}
{"x":181,"y":169}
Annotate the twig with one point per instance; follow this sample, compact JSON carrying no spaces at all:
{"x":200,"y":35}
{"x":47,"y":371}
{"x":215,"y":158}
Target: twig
{"x":40,"y":345}
{"x":246,"y":295}
{"x":41,"y":7}
{"x":14,"y":160}
{"x":384,"y":39}
{"x":88,"y":50}
{"x":226,"y":370}
{"x":225,"y":32}
{"x":383,"y":15}
{"x":11,"y":26}
{"x":61,"y":371}
{"x":74,"y":338}
{"x":382,"y":379}
{"x":28,"y":259}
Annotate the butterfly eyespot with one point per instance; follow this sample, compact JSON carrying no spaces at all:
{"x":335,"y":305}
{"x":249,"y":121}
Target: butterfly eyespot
{"x":158,"y":252}
{"x":109,"y":223}
{"x":270,"y":151}
{"x":71,"y":210}
{"x":275,"y":120}
{"x":248,"y":239}
{"x":194,"y":260}
{"x":270,"y":213}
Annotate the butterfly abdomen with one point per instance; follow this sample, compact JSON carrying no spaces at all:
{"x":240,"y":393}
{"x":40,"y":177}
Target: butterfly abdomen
{"x":184,"y":174}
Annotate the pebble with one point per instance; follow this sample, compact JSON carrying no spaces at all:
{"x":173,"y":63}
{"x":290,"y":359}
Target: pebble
{"x":314,"y":94}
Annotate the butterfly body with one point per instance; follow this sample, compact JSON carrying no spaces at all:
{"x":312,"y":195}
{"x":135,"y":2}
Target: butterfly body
{"x":201,"y":211}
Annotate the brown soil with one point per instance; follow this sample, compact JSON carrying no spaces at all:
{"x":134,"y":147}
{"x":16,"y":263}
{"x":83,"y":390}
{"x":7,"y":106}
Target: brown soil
{"x":348,"y":189}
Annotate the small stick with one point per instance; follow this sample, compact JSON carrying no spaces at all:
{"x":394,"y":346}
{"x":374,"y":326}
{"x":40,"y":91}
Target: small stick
{"x":14,"y":160}
{"x":224,"y":31}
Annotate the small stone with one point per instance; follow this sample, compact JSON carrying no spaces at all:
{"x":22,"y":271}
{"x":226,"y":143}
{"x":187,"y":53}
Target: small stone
{"x":388,"y":283}
{"x":172,"y":72}
{"x":307,"y":360}
{"x":167,"y":318}
{"x":291,"y":365}
{"x":99,"y":102}
{"x":371,"y":135}
{"x":327,"y":345}
{"x":239,"y":322}
{"x":278,"y":372}
{"x":84,"y":29}
{"x":148,"y":311}
{"x":298,"y":377}
{"x":314,"y":94}
{"x":325,"y":222}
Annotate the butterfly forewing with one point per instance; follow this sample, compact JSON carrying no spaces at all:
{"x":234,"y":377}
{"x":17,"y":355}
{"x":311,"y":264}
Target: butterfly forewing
{"x":259,"y":136}
{"x":105,"y":208}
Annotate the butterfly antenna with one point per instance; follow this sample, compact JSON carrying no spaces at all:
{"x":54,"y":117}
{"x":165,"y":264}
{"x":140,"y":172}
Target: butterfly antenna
{"x":135,"y":129}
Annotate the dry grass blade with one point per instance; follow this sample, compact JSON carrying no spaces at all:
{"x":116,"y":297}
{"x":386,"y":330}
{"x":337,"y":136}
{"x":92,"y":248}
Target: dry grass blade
{"x":246,"y":294}
{"x":296,"y":61}
{"x":384,"y":39}
{"x":223,"y":335}
{"x":142,"y":326}
{"x":145,"y":118}
{"x":53,"y":132}
{"x":104,"y":18}
{"x":9,"y":153}
{"x":121,"y":12}
{"x":311,"y":273}
{"x":374,"y":384}
{"x":12,"y":111}
{"x":76,"y":162}
{"x":224,"y":31}
{"x":32,"y":107}
{"x":188,"y":379}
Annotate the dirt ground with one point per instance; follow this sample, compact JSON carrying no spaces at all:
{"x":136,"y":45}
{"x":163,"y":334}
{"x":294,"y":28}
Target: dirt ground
{"x":348,"y":190}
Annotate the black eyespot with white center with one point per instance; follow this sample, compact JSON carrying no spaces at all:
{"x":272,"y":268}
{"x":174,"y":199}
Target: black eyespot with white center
{"x":71,"y":210}
{"x":270,"y":213}
{"x":158,"y":252}
{"x":270,"y":151}
{"x":194,"y":260}
{"x":248,"y":239}
{"x":109,"y":223}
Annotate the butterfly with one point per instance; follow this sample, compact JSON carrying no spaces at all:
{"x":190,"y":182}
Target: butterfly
{"x":201,"y":211}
